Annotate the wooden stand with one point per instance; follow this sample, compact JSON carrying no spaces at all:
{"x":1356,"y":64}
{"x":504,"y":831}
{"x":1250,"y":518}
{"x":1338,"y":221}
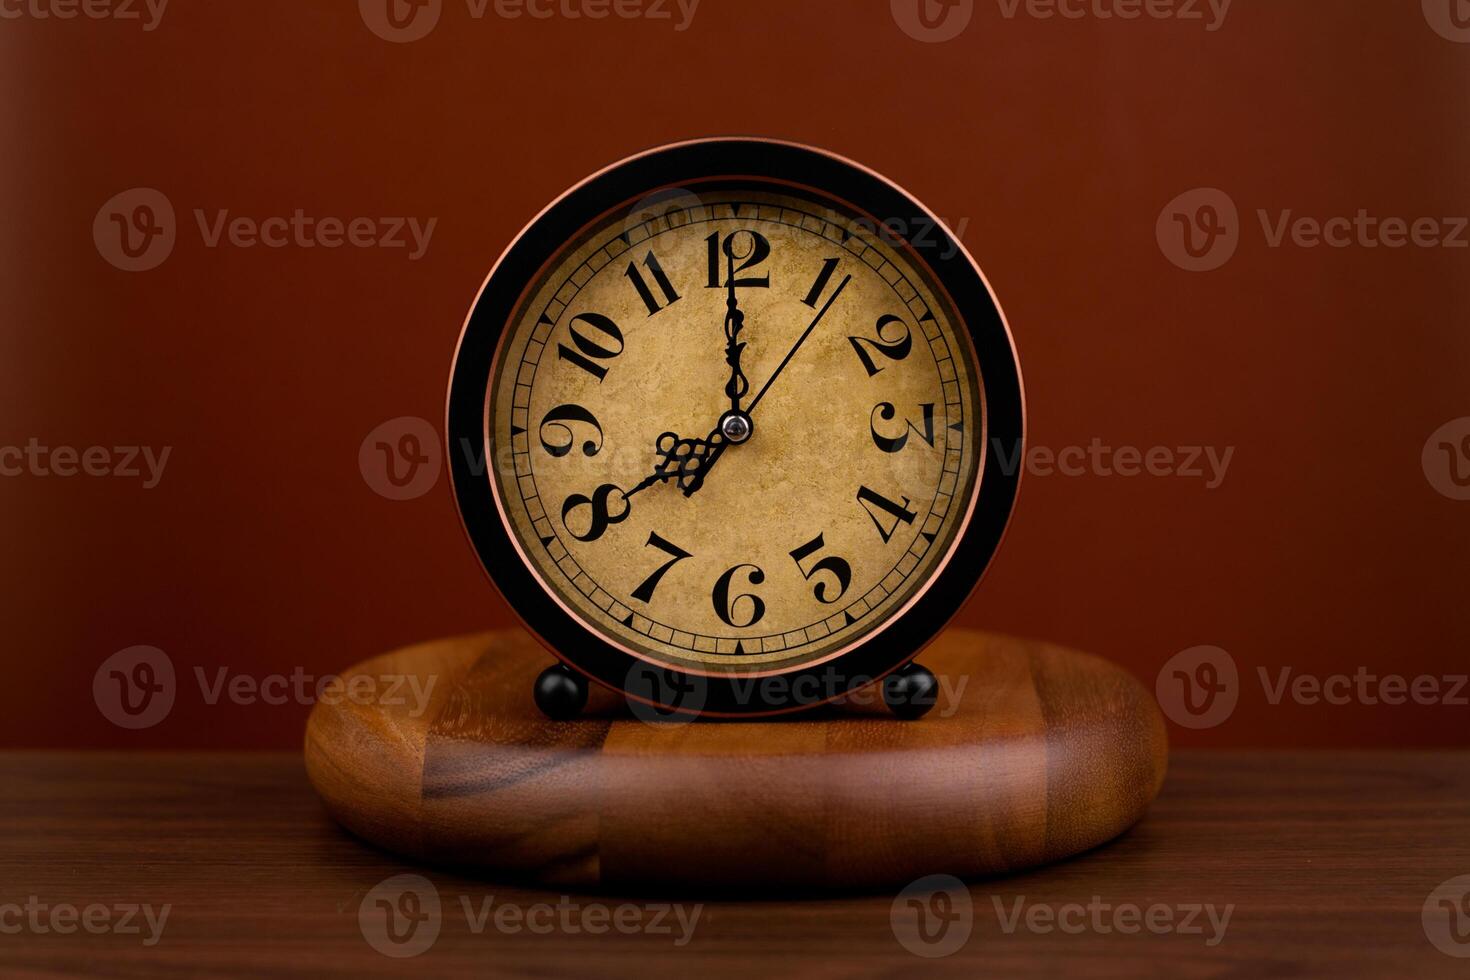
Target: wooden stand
{"x":1042,"y":753}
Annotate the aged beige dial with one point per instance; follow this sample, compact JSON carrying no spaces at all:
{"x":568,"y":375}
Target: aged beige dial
{"x":739,"y":432}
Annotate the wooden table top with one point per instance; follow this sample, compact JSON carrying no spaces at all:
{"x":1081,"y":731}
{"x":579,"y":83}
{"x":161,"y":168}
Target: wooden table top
{"x":1324,"y":861}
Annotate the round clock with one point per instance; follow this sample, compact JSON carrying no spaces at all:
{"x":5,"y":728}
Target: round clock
{"x":733,"y":427}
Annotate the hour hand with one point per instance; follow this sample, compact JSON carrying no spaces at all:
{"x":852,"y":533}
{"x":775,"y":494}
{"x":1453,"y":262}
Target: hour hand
{"x":686,"y":461}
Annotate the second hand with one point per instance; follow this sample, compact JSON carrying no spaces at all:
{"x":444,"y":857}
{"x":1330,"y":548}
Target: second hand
{"x":799,"y":341}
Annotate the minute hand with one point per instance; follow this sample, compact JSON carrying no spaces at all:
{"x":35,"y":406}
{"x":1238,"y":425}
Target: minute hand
{"x":799,"y":341}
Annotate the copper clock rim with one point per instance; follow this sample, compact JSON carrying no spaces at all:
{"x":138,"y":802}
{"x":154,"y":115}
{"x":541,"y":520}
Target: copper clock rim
{"x":937,"y":281}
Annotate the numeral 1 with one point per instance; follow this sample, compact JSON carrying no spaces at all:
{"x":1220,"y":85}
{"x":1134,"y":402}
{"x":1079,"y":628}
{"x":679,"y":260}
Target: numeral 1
{"x":898,"y":513}
{"x":659,"y":279}
{"x":820,"y":286}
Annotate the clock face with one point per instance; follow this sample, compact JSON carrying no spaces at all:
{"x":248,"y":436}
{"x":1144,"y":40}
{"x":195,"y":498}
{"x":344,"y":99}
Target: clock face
{"x":858,"y":424}
{"x":731,"y":427}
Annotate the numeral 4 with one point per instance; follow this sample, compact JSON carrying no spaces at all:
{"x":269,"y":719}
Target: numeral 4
{"x":895,"y":514}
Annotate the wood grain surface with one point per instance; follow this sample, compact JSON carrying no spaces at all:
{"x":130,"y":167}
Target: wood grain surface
{"x":1032,"y":754}
{"x":1326,"y":858}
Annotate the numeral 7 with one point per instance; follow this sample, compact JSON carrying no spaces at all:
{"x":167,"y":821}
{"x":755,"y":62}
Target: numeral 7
{"x":644,"y":592}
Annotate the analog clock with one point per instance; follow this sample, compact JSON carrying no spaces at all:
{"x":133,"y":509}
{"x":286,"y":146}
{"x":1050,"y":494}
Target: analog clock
{"x":728,"y":425}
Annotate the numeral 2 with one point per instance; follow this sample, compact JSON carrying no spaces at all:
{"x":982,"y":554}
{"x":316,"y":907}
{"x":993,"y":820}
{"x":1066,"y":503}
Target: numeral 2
{"x":644,"y":592}
{"x":898,"y":513}
{"x":659,"y":279}
{"x":894,"y":350}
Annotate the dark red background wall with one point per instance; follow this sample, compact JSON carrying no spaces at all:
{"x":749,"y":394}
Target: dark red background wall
{"x":1056,"y":143}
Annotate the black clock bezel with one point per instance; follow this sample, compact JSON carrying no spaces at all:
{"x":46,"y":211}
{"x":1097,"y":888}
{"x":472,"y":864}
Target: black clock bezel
{"x":697,"y":162}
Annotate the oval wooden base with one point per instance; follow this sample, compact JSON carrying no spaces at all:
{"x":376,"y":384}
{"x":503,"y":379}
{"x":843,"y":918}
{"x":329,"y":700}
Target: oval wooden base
{"x":1033,"y":753}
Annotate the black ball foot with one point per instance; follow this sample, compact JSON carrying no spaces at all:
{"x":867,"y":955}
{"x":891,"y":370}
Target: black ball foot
{"x":560,"y":694}
{"x":910,"y":691}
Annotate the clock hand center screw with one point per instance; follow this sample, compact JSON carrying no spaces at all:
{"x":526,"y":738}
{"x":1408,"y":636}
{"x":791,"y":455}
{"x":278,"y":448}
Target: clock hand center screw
{"x":736,"y":426}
